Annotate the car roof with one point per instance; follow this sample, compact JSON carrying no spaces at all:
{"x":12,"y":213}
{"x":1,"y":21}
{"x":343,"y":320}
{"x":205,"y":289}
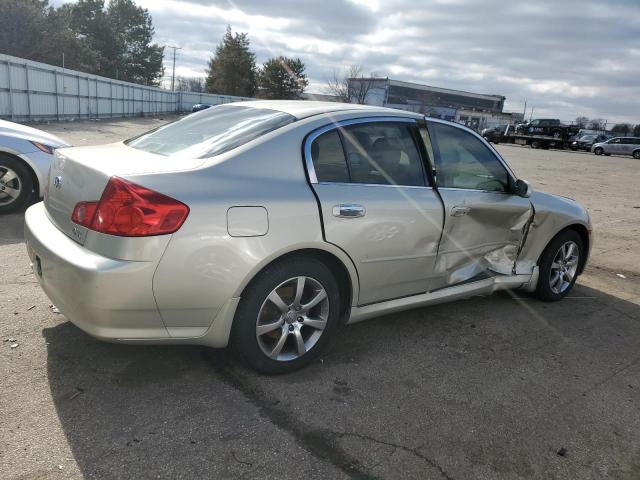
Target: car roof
{"x":305,"y":108}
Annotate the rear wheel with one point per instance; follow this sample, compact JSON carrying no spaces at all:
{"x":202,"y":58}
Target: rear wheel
{"x":16,"y":185}
{"x":287,"y":315}
{"x":598,"y":151}
{"x":559,"y":264}
{"x":535,"y":144}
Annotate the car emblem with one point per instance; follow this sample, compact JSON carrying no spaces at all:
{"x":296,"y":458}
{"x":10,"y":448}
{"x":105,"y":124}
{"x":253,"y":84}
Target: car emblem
{"x":57,"y":182}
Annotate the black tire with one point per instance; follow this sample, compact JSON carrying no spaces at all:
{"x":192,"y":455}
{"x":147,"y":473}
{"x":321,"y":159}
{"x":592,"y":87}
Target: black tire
{"x":535,"y":144}
{"x":543,"y":290}
{"x":598,"y":151}
{"x":244,"y":336}
{"x":23,"y":180}
{"x":636,"y":154}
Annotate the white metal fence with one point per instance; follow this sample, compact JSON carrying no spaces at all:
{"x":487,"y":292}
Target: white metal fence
{"x":38,"y":91}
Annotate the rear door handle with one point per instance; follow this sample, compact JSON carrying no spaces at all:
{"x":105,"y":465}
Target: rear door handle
{"x":459,"y":211}
{"x":349,"y":210}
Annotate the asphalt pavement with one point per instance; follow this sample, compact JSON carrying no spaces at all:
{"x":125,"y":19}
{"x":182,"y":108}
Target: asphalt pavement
{"x":499,"y":387}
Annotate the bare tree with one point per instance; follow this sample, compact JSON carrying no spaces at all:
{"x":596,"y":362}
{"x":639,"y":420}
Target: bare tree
{"x":597,"y":124}
{"x":622,"y":128}
{"x":350,"y":86}
{"x":582,"y":121}
{"x":190,"y":84}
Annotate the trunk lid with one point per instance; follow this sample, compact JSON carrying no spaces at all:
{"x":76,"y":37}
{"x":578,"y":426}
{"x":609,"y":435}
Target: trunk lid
{"x":81,"y":173}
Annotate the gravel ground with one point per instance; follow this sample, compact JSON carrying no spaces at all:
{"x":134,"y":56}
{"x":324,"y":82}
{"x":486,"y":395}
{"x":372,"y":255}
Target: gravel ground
{"x":502,"y":387}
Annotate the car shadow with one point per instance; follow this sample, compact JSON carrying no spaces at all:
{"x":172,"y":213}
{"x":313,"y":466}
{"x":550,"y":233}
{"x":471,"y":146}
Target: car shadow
{"x":12,"y":226}
{"x":506,"y":362}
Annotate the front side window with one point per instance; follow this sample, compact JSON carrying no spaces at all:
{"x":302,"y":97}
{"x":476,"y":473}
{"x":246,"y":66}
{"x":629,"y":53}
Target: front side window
{"x":465,"y":162}
{"x":211,"y":132}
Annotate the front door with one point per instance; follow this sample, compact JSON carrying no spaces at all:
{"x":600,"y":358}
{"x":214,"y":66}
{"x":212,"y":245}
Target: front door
{"x":484,"y":224}
{"x":377,"y":204}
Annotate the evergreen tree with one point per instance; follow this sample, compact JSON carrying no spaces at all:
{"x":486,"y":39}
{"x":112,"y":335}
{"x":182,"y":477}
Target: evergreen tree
{"x":282,"y":78}
{"x":22,"y":24}
{"x":232,"y":70}
{"x":139,"y":60}
{"x":113,"y":42}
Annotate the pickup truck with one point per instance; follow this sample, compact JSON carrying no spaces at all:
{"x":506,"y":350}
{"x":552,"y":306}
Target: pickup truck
{"x":550,"y":127}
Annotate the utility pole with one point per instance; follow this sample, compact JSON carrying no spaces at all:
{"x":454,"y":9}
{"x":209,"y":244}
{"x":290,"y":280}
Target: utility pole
{"x":173,"y":74}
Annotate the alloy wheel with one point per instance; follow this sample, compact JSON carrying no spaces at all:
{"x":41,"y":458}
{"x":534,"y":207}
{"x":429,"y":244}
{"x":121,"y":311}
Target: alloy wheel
{"x":10,"y":186}
{"x":564,"y":267}
{"x":292,"y":318}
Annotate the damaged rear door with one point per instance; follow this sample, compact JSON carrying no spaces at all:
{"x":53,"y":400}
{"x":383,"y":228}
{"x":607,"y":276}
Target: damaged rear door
{"x":485,"y":224}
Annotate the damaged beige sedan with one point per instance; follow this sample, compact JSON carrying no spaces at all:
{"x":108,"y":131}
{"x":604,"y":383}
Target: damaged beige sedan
{"x":267,"y":224}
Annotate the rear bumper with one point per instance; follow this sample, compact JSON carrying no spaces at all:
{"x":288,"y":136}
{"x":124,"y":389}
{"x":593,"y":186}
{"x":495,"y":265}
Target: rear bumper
{"x":109,"y":299}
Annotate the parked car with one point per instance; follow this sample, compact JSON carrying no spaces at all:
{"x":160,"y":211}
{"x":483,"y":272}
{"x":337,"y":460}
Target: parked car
{"x":585,"y":142}
{"x":548,"y":127}
{"x":200,"y":106}
{"x":268,"y":224}
{"x":618,"y":146}
{"x":494,"y":134}
{"x":25,"y":156}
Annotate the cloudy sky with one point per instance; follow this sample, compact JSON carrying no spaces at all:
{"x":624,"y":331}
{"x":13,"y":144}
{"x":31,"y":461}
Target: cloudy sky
{"x":565,"y":57}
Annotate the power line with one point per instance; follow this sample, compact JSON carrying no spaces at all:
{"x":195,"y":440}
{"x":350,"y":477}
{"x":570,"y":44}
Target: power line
{"x":173,"y":74}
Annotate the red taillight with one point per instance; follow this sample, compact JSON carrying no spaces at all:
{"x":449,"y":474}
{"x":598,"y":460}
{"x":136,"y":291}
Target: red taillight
{"x":129,"y":210}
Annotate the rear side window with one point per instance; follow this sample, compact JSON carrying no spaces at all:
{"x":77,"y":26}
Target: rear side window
{"x":211,"y":132}
{"x":383,"y":154}
{"x":377,"y":153}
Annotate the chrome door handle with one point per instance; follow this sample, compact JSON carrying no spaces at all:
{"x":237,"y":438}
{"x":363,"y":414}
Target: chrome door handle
{"x":459,"y":211}
{"x":349,"y":210}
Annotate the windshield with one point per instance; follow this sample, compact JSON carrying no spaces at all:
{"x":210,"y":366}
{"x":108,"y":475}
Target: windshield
{"x":587,"y":138}
{"x":211,"y":132}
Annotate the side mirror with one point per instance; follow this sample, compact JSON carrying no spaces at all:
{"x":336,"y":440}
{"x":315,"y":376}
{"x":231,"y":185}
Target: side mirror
{"x":522,"y":188}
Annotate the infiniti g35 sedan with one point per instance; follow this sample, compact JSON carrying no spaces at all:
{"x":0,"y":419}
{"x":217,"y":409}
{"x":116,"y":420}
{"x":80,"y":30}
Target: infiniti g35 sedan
{"x":268,"y":224}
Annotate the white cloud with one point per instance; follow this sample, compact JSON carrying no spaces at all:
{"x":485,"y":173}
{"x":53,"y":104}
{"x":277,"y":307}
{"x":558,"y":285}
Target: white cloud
{"x":567,"y":58}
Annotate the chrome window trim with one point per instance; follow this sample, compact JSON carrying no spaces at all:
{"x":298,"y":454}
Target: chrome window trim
{"x":313,"y":178}
{"x":474,"y":190}
{"x":344,"y":184}
{"x":479,"y":137}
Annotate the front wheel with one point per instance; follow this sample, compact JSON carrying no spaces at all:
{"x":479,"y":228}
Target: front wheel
{"x":287,"y":315}
{"x":559,"y":264}
{"x":598,"y":151}
{"x":16,"y":185}
{"x":636,"y":154}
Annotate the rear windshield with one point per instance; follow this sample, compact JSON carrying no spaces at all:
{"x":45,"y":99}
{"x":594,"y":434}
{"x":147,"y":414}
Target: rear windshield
{"x":211,"y":132}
